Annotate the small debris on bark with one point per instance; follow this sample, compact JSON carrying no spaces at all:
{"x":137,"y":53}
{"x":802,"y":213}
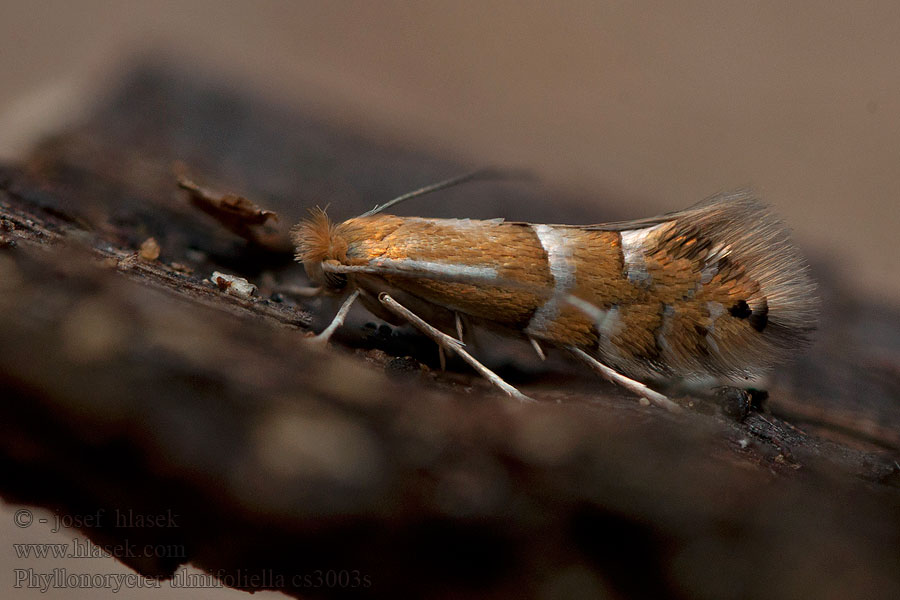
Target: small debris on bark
{"x":234,"y":285}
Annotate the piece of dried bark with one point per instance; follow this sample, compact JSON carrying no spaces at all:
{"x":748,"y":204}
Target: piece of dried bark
{"x":239,"y":215}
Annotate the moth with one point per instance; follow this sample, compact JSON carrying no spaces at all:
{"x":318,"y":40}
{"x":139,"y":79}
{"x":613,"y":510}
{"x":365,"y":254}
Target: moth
{"x":716,"y":290}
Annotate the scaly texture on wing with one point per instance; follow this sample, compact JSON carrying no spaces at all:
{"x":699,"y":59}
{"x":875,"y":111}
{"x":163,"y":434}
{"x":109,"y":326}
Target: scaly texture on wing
{"x":721,"y":291}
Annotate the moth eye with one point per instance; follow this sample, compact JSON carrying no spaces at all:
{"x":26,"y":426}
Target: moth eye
{"x":335,"y":281}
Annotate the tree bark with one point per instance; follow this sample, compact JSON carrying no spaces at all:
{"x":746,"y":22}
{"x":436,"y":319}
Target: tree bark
{"x":133,"y":383}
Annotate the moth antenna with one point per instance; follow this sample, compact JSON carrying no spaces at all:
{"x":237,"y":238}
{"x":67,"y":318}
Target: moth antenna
{"x":489,"y":173}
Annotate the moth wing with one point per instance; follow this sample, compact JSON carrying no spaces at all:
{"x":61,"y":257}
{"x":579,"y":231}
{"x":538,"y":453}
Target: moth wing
{"x":740,"y":228}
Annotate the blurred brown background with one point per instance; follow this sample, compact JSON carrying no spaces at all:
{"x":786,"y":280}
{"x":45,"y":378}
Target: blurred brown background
{"x":659,"y":104}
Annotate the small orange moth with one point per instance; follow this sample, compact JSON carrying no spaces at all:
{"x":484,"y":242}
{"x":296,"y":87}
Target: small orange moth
{"x":714,"y":290}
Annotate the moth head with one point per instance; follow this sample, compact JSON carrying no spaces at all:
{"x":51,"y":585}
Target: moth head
{"x":316,"y":241}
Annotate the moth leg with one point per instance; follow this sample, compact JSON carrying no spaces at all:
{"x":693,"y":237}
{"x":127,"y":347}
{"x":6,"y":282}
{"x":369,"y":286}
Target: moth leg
{"x":338,"y":320}
{"x":629,"y":384}
{"x":459,"y":336}
{"x":450,"y":343}
{"x":537,"y":348}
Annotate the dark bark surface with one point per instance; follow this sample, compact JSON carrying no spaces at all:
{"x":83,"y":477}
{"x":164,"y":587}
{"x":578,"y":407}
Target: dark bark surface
{"x":134,"y":383}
